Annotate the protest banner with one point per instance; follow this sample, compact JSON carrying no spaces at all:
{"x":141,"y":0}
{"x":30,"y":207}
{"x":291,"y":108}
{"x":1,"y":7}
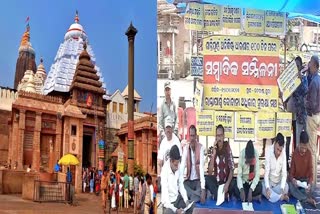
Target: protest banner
{"x":240,"y":73}
{"x":231,"y":17}
{"x":193,"y":19}
{"x":253,"y":21}
{"x":205,"y":123}
{"x":266,"y":125}
{"x":198,"y":96}
{"x":225,"y":118}
{"x":245,"y":124}
{"x":275,"y":23}
{"x":288,"y":80}
{"x":240,"y":97}
{"x":196,"y":66}
{"x":284,"y":123}
{"x":241,"y":45}
{"x":212,"y":17}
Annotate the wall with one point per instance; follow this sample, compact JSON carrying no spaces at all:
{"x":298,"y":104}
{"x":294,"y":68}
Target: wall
{"x":11,"y":182}
{"x":7,"y":96}
{"x":28,"y":185}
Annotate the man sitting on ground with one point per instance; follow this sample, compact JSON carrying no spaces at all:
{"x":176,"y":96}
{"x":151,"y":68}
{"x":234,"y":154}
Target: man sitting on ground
{"x":193,"y":159}
{"x":173,"y":196}
{"x":275,"y":187}
{"x":301,"y":171}
{"x":248,"y":179}
{"x":222,"y":165}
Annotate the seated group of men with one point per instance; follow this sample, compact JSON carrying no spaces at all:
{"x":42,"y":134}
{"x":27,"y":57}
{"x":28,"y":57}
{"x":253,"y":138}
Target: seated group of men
{"x":177,"y":191}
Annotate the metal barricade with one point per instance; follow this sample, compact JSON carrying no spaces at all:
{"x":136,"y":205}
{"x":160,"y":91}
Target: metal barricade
{"x":52,"y":191}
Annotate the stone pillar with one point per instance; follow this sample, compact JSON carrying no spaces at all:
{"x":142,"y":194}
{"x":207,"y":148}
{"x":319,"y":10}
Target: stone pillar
{"x":51,"y":155}
{"x":58,"y":139}
{"x":78,"y":173}
{"x":10,"y":145}
{"x":36,"y":143}
{"x":144,"y":160}
{"x":22,"y":125}
{"x":14,"y":139}
{"x":131,"y":33}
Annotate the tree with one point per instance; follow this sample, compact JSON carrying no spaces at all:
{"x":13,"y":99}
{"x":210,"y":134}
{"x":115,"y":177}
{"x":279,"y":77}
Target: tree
{"x":138,"y":169}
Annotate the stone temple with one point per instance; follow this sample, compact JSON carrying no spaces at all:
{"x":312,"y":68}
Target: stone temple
{"x":55,"y":113}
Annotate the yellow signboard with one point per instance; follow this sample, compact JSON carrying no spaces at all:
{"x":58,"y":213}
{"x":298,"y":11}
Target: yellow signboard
{"x":120,"y":163}
{"x":240,"y":97}
{"x":205,"y":123}
{"x":266,"y":125}
{"x":253,"y":21}
{"x":231,"y":17}
{"x":284,"y":123}
{"x":245,"y":125}
{"x":275,"y":23}
{"x":241,"y":45}
{"x":288,"y":80}
{"x":212,"y":17}
{"x":193,"y":19}
{"x":225,"y":118}
{"x":198,"y":95}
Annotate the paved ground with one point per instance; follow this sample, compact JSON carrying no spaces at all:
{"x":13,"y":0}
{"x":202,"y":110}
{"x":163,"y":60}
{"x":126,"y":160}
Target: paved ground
{"x":86,"y":203}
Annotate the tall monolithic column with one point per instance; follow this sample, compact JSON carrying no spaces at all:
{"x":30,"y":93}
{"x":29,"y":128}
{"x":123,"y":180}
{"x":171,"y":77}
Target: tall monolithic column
{"x":131,"y":33}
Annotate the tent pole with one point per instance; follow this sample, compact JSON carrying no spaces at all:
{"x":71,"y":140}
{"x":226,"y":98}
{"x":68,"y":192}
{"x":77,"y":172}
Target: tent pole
{"x":285,"y":51}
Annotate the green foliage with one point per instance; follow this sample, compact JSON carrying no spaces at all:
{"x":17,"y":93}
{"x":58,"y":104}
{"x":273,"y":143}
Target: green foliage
{"x":138,"y":169}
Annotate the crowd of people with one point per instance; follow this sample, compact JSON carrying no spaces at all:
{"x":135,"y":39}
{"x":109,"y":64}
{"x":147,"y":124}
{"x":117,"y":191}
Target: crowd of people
{"x":124,"y":191}
{"x":282,"y":178}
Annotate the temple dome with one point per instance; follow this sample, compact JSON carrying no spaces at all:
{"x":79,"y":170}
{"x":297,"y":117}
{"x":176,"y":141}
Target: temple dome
{"x":75,"y":30}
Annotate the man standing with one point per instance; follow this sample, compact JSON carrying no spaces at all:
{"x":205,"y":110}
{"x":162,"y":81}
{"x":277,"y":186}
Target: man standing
{"x":248,"y":179}
{"x":275,"y":187}
{"x":136,"y":192}
{"x":313,"y":111}
{"x":126,"y":191}
{"x":222,"y":165}
{"x":146,"y":200}
{"x":173,"y":196}
{"x":193,"y":159}
{"x":301,"y":171}
{"x":168,"y":109}
{"x":104,"y":187}
{"x":131,"y":189}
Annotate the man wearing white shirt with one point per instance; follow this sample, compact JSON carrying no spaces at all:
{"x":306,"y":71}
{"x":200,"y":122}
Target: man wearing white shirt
{"x":193,"y":159}
{"x":166,"y":144}
{"x":174,"y":196}
{"x":275,"y":187}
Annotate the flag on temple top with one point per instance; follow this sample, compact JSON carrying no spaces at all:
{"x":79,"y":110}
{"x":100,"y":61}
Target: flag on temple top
{"x":27,"y":20}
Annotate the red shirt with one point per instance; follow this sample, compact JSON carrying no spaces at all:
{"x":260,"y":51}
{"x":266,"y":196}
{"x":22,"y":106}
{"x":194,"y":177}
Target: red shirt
{"x":301,"y":166}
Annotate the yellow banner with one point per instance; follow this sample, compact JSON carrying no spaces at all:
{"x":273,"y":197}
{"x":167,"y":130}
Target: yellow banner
{"x":254,"y":21}
{"x":198,"y":95}
{"x":212,"y":17}
{"x":193,"y":19}
{"x":275,"y":23}
{"x":241,"y":45}
{"x":288,"y":80}
{"x":240,"y":97}
{"x":120,"y":163}
{"x":284,"y":123}
{"x":205,"y":123}
{"x":245,"y":125}
{"x":231,"y":17}
{"x":225,"y":118}
{"x":266,"y":125}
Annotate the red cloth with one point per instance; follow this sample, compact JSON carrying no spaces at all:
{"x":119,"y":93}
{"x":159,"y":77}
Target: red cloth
{"x":251,"y":171}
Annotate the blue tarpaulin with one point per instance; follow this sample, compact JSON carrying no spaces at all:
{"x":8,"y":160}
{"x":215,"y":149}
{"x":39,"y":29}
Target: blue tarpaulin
{"x":294,"y":6}
{"x":307,"y":17}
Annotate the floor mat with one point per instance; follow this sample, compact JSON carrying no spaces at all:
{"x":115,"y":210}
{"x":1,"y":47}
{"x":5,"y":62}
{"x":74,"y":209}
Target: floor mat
{"x":234,"y":204}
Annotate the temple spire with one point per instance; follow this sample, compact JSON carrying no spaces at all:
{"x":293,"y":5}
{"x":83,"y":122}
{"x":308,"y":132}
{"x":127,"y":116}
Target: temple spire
{"x":76,"y":19}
